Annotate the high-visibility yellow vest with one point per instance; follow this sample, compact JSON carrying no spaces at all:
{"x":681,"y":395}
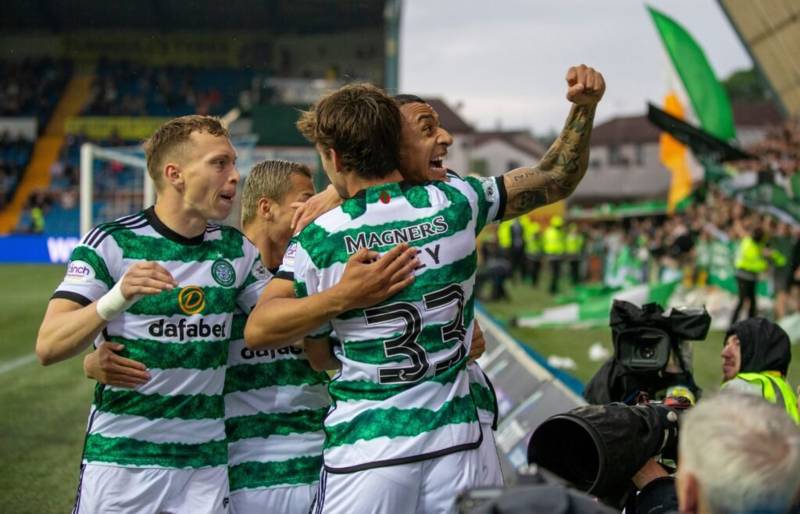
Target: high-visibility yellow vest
{"x":773,"y":384}
{"x":574,"y":243}
{"x":553,"y":241}
{"x":530,"y":233}
{"x":37,"y":217}
{"x":504,"y":236}
{"x":748,"y":256}
{"x":778,"y":258}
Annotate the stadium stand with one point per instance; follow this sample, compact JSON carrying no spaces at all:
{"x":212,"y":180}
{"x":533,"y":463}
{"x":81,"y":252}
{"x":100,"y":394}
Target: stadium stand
{"x":123,"y":88}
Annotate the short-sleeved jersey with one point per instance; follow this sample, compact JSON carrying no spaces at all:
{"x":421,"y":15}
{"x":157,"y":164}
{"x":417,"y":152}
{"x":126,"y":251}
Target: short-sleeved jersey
{"x":274,"y":407}
{"x":403,"y":392}
{"x":176,"y":419}
{"x":483,"y":393}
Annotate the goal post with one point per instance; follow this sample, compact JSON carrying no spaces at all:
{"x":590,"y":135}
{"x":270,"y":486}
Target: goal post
{"x":127,"y":156}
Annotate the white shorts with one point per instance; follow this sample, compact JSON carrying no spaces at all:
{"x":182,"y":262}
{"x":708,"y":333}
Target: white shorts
{"x":491,"y":474}
{"x":425,"y":487}
{"x":278,"y":500}
{"x":118,"y":490}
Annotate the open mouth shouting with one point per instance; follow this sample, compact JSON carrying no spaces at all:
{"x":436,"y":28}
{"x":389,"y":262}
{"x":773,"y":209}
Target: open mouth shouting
{"x":438,"y":171}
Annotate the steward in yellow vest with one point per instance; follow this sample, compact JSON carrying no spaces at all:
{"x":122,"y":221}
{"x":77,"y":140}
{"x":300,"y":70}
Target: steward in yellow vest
{"x":755,"y":359}
{"x":750,"y":262}
{"x":574,"y":248}
{"x":554,"y":243}
{"x":531,"y":234}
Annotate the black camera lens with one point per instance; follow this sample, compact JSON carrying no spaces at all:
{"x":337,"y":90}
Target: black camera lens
{"x":647,"y":352}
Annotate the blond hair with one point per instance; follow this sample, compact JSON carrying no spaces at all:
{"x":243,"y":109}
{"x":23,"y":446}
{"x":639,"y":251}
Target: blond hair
{"x":268,"y":179}
{"x":172,"y":135}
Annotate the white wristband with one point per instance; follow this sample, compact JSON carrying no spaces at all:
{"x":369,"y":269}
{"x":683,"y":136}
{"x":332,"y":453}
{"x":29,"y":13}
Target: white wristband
{"x":112,"y":304}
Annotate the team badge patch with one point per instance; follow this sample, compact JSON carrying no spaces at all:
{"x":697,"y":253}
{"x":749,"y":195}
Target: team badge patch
{"x":289,"y":256}
{"x":223,"y":273}
{"x":259,"y":271}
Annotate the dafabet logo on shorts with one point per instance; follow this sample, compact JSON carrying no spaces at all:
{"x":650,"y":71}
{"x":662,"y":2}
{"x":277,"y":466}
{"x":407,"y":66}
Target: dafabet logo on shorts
{"x":192,"y":300}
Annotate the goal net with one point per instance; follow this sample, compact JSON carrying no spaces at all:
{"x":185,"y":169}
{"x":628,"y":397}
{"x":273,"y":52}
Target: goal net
{"x":114,"y":181}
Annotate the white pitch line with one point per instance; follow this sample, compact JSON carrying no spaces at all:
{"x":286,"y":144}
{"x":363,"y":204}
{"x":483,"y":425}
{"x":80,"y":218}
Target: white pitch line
{"x":13,"y":364}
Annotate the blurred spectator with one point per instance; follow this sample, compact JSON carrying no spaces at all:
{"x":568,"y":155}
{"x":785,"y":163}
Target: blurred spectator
{"x":755,"y":360}
{"x":122,"y":88}
{"x":32,"y":87}
{"x":737,"y":453}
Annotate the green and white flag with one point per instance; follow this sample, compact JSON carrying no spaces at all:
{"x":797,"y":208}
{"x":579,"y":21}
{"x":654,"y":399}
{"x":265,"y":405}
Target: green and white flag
{"x":708,"y":98}
{"x":594,"y":312}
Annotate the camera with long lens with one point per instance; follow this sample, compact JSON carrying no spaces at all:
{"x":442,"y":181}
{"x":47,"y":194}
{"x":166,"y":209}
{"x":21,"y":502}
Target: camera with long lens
{"x":651,"y":353}
{"x":598,"y":448}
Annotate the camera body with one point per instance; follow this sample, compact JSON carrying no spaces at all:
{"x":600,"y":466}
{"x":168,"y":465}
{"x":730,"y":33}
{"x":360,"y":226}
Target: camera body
{"x":637,"y":399}
{"x":651,"y":353}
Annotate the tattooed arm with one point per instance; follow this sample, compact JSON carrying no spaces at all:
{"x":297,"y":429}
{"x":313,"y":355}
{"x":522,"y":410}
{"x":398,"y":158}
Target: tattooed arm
{"x":565,"y":162}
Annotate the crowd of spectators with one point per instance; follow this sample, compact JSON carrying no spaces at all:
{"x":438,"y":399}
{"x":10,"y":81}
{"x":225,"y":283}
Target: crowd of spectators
{"x":15,"y":152}
{"x":122,"y":88}
{"x":778,"y":152}
{"x":32,"y":87}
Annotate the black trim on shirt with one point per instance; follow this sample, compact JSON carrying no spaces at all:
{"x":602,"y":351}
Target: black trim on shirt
{"x":286,"y":275}
{"x":74,"y":297}
{"x":494,"y":397}
{"x":451,"y":173}
{"x":407,"y":460}
{"x":161,"y":228}
{"x":100,"y":232}
{"x":274,"y":271}
{"x":139,"y":224}
{"x":501,"y":190}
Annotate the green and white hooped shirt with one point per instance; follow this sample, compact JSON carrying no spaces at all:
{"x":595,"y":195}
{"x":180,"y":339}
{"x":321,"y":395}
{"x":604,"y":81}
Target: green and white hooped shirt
{"x":274,"y":408}
{"x":403,"y":393}
{"x":176,"y":419}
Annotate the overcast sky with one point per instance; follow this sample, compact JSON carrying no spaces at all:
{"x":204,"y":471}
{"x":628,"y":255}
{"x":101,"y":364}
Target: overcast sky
{"x":505,"y":61}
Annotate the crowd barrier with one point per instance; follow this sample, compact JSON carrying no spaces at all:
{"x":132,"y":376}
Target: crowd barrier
{"x":528,"y":391}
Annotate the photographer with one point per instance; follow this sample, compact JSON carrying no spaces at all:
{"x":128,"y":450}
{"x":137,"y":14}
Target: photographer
{"x":737,"y":454}
{"x":755,"y":360}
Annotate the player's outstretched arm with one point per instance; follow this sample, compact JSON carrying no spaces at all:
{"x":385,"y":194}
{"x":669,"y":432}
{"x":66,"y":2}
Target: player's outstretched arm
{"x":280,"y":318}
{"x":108,"y":367}
{"x":68,"y":327}
{"x":565,"y":162}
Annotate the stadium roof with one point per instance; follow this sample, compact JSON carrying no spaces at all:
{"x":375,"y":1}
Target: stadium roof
{"x":276,"y":16}
{"x":770,"y":31}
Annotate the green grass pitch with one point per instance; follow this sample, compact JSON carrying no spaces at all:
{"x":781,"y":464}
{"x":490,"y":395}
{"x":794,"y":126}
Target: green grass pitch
{"x":44,"y":410}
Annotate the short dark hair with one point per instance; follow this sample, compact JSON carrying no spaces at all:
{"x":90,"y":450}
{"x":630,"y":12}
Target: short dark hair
{"x":402,"y":100}
{"x":362,"y":124}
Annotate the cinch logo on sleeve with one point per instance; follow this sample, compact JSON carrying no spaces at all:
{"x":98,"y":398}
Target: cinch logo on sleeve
{"x":79,"y":271}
